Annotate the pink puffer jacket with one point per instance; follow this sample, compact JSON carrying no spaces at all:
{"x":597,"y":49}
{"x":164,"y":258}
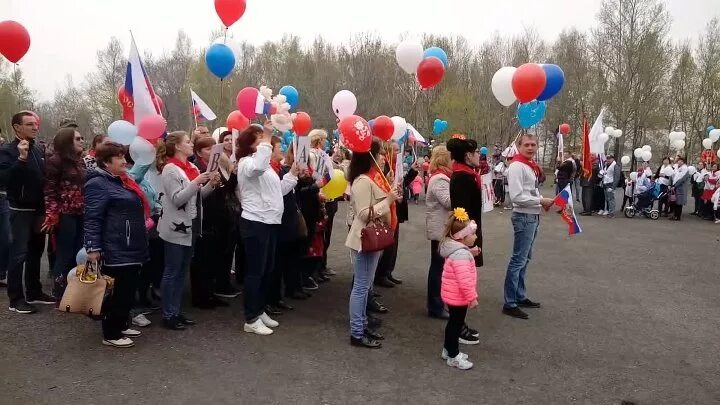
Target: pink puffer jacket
{"x":459,"y":278}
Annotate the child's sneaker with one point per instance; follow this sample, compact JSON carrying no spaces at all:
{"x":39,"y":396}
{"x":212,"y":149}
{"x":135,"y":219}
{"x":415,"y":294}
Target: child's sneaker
{"x":445,"y":356}
{"x":459,"y":362}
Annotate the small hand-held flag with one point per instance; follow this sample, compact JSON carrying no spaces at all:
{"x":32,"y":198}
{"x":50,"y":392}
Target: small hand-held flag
{"x":200,"y":109}
{"x":564,"y":200}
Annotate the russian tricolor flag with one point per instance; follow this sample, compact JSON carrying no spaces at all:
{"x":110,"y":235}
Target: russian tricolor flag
{"x":201,"y":110}
{"x":139,"y":89}
{"x":564,"y":200}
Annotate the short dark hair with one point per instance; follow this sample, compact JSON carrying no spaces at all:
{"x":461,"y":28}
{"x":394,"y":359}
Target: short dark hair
{"x":17,"y":119}
{"x":97,"y":139}
{"x":203,"y":143}
{"x":244,"y":143}
{"x":459,"y":147}
{"x":106,"y":151}
{"x":222,"y":136}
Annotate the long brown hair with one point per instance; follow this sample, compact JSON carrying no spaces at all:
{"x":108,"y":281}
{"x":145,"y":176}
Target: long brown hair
{"x":64,"y":145}
{"x":246,"y":140}
{"x":167,"y":148}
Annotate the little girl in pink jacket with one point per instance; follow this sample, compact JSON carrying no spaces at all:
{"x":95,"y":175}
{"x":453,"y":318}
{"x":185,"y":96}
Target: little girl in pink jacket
{"x":459,"y":280}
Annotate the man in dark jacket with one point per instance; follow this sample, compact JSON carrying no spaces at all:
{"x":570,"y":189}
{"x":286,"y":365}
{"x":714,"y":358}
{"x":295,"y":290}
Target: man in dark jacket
{"x":22,"y":174}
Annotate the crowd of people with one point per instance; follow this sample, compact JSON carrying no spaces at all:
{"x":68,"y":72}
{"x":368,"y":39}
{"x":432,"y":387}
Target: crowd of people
{"x":260,"y":214}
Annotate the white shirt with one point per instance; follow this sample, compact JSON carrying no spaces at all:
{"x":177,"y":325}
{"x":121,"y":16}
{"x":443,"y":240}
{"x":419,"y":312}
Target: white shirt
{"x":260,"y":190}
{"x":609,"y":176}
{"x":666,"y":173}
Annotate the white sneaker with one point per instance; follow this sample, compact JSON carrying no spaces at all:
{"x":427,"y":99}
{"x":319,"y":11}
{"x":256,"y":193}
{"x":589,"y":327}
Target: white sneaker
{"x":131,"y":333}
{"x":445,"y":356}
{"x":269,"y":322}
{"x":459,"y":362}
{"x":257,"y":327}
{"x":122,"y":342}
{"x":141,"y":321}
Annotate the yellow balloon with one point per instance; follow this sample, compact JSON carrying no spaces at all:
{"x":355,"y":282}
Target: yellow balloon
{"x":336,"y":186}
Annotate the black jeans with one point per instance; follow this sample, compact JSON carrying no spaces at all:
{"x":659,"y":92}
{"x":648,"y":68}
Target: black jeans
{"x":286,"y":271}
{"x":499,"y":188}
{"x":628,"y":199}
{"x":435,"y":305}
{"x":260,"y":242}
{"x":453,"y":329}
{"x":663,"y":203}
{"x":152,"y":271}
{"x":205,"y":263}
{"x":386,"y":265}
{"x":676,"y":210}
{"x":331,"y":209}
{"x":117,"y":307}
{"x":239,"y":260}
{"x":26,"y":250}
{"x":587,"y":198}
{"x":69,"y":237}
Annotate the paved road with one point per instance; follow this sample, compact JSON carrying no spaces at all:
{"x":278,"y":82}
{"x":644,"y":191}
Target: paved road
{"x":630,"y":312}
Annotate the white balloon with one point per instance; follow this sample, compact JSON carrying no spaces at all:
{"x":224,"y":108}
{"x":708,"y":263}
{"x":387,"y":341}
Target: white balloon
{"x":681,"y":135}
{"x":603,"y":138}
{"x":714,"y":135}
{"x":718,"y":153}
{"x":72,"y":274}
{"x":633,"y":176}
{"x":400,"y":127}
{"x":679,"y":144}
{"x":638,"y":153}
{"x":344,"y":103}
{"x":408,"y":54}
{"x":625,"y":160}
{"x":673,"y":136}
{"x":216,"y":133}
{"x":501,"y":85}
{"x":609,"y":130}
{"x":618,"y":133}
{"x":646,"y":148}
{"x":648,"y":172}
{"x":646,"y":155}
{"x":707,"y":143}
{"x":692,"y":170}
{"x":142,"y":152}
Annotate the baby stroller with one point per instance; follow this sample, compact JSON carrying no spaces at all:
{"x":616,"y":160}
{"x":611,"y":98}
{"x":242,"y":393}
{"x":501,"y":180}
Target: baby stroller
{"x":644,"y":204}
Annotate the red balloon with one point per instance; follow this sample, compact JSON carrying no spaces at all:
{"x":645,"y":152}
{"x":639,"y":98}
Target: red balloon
{"x":430,"y":72}
{"x":14,"y":40}
{"x":237,"y":121}
{"x":356,"y":133}
{"x":302,"y":124}
{"x":127,"y":103}
{"x":528,"y":82}
{"x":229,"y":11}
{"x":383,"y":128}
{"x":247,"y":100}
{"x":152,"y":127}
{"x":565,"y":129}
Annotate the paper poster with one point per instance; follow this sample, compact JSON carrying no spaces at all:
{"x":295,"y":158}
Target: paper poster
{"x":488,"y":192}
{"x":215,"y":153}
{"x":235,"y":136}
{"x":302,"y":152}
{"x":324,"y":166}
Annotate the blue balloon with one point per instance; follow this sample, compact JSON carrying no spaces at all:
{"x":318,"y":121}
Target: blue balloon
{"x":555,"y":80}
{"x":531,"y":113}
{"x":439,"y":126}
{"x":438,"y":53}
{"x":483,"y":151}
{"x":220,"y":60}
{"x":371,"y":123}
{"x":710,"y":128}
{"x":291,"y":94}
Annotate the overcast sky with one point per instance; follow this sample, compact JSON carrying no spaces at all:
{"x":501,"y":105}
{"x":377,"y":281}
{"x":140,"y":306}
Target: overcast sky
{"x":67,"y":33}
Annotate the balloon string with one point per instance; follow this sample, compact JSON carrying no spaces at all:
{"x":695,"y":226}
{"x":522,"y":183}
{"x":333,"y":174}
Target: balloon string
{"x":225,"y":37}
{"x":381,"y":171}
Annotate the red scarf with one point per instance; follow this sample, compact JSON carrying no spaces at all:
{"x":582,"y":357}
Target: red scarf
{"x":379,"y":179}
{"x":131,"y":185}
{"x":91,"y":152}
{"x":440,"y":170}
{"x":531,"y":163}
{"x":276,"y":166}
{"x":463,"y":168}
{"x":190,"y":170}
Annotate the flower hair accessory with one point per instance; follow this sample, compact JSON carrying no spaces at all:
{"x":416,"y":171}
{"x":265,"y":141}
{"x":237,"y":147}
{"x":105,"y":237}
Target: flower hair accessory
{"x":470,"y":229}
{"x":460,"y":214}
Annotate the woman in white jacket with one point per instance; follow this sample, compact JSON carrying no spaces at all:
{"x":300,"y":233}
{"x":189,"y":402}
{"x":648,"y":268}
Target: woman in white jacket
{"x":437,"y":200}
{"x":181,"y":183}
{"x":261,"y":192}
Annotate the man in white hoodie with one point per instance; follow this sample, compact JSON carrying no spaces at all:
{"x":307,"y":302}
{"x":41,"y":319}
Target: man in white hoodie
{"x":609,"y":185}
{"x":527,"y":202}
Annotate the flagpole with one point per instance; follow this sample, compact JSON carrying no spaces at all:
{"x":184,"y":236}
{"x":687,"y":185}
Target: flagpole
{"x":192,"y":109}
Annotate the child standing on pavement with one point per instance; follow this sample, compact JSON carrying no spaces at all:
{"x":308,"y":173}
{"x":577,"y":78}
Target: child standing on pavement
{"x":459,"y":279}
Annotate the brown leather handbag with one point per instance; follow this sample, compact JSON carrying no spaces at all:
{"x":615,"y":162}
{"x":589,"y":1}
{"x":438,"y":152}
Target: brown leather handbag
{"x":84,"y":294}
{"x":376,"y":235}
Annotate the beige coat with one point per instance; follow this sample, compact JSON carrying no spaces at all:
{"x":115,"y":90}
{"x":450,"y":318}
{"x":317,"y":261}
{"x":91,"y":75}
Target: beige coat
{"x":364,"y":193}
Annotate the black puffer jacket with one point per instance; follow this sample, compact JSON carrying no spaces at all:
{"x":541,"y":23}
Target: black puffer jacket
{"x":24,"y":181}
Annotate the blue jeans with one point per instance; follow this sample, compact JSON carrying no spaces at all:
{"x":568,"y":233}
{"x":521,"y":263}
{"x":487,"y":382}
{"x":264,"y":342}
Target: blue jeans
{"x":610,"y":197}
{"x":4,"y":236}
{"x":69,"y":235}
{"x":364,"y":266}
{"x":525,"y":227}
{"x":177,"y":264}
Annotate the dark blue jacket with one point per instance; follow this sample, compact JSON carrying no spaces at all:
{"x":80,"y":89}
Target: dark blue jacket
{"x":24,"y":181}
{"x":114,"y":220}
